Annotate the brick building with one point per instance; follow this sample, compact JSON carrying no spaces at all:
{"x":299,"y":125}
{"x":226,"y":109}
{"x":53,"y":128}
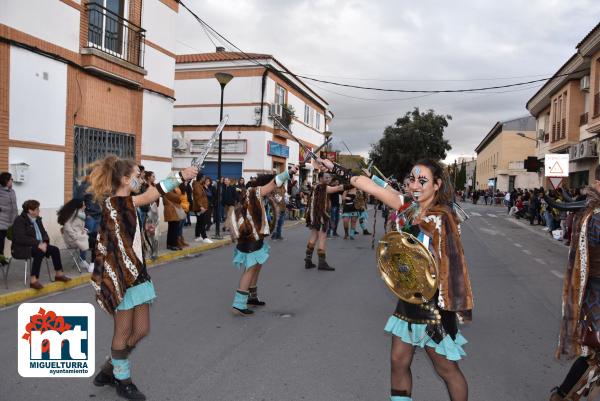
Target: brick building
{"x":80,"y":79}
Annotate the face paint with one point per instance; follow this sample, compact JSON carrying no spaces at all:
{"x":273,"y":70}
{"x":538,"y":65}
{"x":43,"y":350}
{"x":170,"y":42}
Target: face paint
{"x":421,"y":184}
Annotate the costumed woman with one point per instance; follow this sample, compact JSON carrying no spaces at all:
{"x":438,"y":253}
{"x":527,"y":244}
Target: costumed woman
{"x":122,"y":284}
{"x":349,"y":212}
{"x":248,"y":226}
{"x":317,"y":220}
{"x":580,"y":325}
{"x":361,"y":202}
{"x":432,"y":221}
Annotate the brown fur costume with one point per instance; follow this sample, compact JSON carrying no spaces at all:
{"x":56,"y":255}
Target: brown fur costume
{"x":119,"y":262}
{"x":575,"y":281}
{"x":318,"y":206}
{"x":455,"y":292}
{"x":250,"y":219}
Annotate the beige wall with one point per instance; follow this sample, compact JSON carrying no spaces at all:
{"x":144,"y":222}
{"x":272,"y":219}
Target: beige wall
{"x":506,"y":147}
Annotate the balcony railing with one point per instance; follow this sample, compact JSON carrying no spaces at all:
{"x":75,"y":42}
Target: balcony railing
{"x":563,"y":128}
{"x":583,"y":119}
{"x":114,"y":35}
{"x":596,"y":105}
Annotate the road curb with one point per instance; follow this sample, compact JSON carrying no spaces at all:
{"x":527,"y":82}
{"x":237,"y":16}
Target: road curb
{"x":50,"y":288}
{"x":12,"y":298}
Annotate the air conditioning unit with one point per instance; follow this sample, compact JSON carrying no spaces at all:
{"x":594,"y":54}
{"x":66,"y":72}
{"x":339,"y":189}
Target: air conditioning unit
{"x":574,"y":152}
{"x":584,"y":83}
{"x":179,"y":144}
{"x":588,"y":149}
{"x":276,"y":110}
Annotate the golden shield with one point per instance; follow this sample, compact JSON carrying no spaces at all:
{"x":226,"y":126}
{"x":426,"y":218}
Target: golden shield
{"x":407,"y":267}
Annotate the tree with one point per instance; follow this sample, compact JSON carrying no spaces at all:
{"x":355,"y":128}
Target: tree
{"x":461,"y":179}
{"x":415,"y":136}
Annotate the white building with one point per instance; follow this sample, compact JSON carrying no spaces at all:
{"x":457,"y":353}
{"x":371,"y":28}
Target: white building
{"x":252,"y":143}
{"x":80,"y":79}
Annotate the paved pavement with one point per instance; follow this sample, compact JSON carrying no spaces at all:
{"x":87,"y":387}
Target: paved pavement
{"x":320,"y":337}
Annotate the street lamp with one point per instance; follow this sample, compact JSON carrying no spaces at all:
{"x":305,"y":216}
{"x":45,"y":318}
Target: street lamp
{"x":522,"y":135}
{"x":223,"y":79}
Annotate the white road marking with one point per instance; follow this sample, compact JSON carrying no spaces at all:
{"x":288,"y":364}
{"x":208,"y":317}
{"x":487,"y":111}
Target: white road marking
{"x":488,"y":231}
{"x":528,"y":252}
{"x":475,"y":214}
{"x":492,"y":215}
{"x":540,"y":261}
{"x":557,"y":274}
{"x":518,"y":245}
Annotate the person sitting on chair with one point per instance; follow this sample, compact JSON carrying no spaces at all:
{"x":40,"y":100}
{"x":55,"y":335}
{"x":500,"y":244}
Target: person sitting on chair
{"x":72,"y":217}
{"x":30,"y":240}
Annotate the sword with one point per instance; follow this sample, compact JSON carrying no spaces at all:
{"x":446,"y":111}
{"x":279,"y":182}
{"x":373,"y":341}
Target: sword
{"x":316,"y":151}
{"x":199,"y":160}
{"x":307,"y":150}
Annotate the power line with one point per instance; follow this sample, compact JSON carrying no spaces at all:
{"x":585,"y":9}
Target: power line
{"x":377,"y":89}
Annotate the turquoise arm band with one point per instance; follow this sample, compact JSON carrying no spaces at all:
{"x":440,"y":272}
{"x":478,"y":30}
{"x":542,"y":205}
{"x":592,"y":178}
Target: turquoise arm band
{"x":282,"y":178}
{"x":379,"y":181}
{"x":169,"y":183}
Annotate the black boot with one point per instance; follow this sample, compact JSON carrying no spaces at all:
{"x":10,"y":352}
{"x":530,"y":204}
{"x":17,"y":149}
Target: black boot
{"x":105,"y":376}
{"x":366,"y":232}
{"x":128,"y":390}
{"x":322,"y":262}
{"x":308,"y":263}
{"x":253,"y":298}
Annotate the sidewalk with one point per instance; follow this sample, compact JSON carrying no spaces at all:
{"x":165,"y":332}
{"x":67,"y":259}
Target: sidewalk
{"x":17,"y":292}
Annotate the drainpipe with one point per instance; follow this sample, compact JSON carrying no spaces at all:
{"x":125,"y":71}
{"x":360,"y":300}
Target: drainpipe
{"x":262,"y":95}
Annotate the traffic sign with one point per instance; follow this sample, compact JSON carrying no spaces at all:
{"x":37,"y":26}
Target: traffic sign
{"x":556,"y":165}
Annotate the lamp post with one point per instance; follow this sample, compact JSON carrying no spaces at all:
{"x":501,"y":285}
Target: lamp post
{"x":223,"y":79}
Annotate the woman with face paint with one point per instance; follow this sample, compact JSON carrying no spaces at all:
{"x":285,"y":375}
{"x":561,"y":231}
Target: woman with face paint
{"x":317,"y":220}
{"x":429,"y":218}
{"x":122,"y":284}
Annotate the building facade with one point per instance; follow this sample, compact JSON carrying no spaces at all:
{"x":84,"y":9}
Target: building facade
{"x":501,"y":155}
{"x":567,"y":111}
{"x":261,"y":89}
{"x":80,"y":79}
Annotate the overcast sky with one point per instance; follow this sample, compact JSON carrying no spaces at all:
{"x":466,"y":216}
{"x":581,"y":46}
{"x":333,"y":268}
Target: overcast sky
{"x":405,"y":45}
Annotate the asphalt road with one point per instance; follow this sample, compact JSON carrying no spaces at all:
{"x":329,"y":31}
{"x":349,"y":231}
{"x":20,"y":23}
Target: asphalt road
{"x":321,"y":337}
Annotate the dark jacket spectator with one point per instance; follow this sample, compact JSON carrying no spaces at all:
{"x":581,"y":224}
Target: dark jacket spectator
{"x":30,"y":240}
{"x":229,"y":195}
{"x":8,"y":209}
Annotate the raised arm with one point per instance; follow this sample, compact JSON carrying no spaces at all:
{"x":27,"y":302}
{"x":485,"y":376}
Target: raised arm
{"x":391,"y":198}
{"x":165,"y":186}
{"x":332,"y":190}
{"x":278,"y":181}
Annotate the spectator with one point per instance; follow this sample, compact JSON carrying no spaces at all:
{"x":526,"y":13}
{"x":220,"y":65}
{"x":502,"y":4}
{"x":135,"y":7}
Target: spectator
{"x":507,"y":201}
{"x":173,"y":214}
{"x":93,"y":213}
{"x":240,"y":186}
{"x":152,"y":217}
{"x":278,"y":196}
{"x":185,"y":205}
{"x":72,"y":217}
{"x":534,"y":208}
{"x":190,"y":201}
{"x":210,"y":195}
{"x":8,"y":209}
{"x":30,"y":240}
{"x":200,"y":206}
{"x":229,"y":196}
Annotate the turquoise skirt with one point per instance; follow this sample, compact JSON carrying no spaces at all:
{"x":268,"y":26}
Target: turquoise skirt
{"x":137,"y":295}
{"x":351,"y":214}
{"x":247,"y":260}
{"x":417,"y":336}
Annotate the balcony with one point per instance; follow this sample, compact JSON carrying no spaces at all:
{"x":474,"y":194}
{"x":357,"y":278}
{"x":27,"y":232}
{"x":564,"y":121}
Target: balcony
{"x":583,"y":119}
{"x":596,"y":105}
{"x":115,"y":36}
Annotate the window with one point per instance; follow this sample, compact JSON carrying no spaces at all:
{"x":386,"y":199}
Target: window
{"x":105,"y":24}
{"x":92,"y":144}
{"x":318,"y":121}
{"x":306,"y":114}
{"x":279,"y":95}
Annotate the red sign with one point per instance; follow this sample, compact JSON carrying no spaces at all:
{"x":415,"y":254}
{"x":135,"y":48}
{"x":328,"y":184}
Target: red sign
{"x":329,"y":155}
